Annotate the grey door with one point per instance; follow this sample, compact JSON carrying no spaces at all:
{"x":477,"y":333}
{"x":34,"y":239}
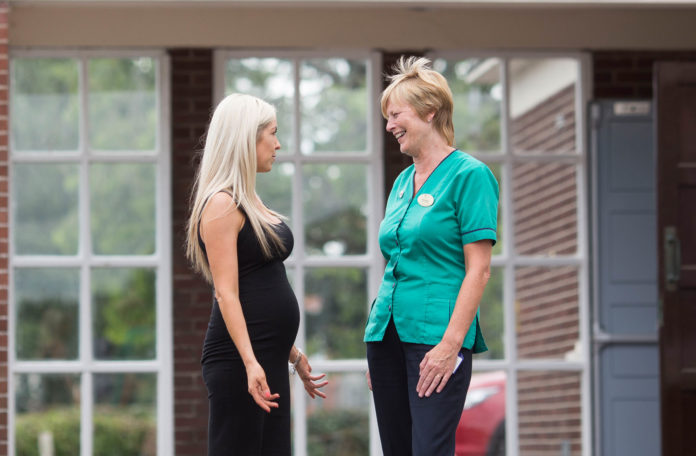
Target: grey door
{"x":625,"y":320}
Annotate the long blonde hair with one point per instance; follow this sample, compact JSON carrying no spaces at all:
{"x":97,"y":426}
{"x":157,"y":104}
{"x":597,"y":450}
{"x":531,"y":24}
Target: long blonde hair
{"x":229,"y":165}
{"x":425,"y":90}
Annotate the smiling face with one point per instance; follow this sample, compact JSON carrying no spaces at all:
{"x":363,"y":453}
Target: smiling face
{"x":266,"y":146}
{"x":407,"y":127}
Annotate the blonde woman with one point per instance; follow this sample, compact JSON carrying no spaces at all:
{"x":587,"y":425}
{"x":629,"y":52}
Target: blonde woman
{"x":437,"y":236}
{"x":239,"y":245}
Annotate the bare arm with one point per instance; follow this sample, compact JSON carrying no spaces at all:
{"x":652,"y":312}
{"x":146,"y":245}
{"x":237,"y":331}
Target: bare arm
{"x":220,"y":225}
{"x":437,"y":365}
{"x":304,"y":370}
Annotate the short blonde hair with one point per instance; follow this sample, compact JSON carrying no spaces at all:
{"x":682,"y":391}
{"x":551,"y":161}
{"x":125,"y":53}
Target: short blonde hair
{"x":426,"y":90}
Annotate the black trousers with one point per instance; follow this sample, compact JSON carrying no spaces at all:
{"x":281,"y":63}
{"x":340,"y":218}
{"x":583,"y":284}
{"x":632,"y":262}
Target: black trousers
{"x":409,"y":425}
{"x":237,"y":426}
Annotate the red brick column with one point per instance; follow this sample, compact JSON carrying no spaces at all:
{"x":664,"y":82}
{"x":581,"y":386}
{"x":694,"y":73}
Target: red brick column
{"x":4,"y":209}
{"x":192,"y":99}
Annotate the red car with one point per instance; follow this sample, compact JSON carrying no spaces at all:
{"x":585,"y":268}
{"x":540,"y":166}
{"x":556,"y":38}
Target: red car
{"x":481,"y":430}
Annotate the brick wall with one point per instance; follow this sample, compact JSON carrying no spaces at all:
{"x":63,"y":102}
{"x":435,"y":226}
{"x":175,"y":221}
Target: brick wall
{"x":192,"y":78}
{"x":628,"y":74}
{"x":550,"y":422}
{"x":4,"y":208}
{"x":545,"y":209}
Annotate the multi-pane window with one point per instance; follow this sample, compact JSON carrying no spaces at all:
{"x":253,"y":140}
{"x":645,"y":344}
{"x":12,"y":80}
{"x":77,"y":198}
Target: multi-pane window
{"x":522,"y":116}
{"x":327,"y":181}
{"x":90,"y":258}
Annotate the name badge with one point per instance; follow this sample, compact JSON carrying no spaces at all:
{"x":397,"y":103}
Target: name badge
{"x":426,"y":200}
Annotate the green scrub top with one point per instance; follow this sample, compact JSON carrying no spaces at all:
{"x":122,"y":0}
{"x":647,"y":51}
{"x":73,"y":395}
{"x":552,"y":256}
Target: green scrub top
{"x":422,"y":239}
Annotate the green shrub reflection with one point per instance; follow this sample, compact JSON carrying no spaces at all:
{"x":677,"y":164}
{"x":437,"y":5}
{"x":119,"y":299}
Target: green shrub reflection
{"x":116,"y":432}
{"x":338,"y":433}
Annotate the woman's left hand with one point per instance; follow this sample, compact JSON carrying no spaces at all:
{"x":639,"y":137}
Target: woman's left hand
{"x":436,"y":369}
{"x":304,"y":370}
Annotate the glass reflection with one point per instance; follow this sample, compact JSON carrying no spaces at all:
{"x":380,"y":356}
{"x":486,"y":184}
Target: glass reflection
{"x":549,"y":413}
{"x":497,"y":170}
{"x":542,"y":105}
{"x":334,"y":105}
{"x":125,"y":421}
{"x":481,"y":429}
{"x":47,"y":301}
{"x":270,"y":79}
{"x":545,"y":208}
{"x":339,"y":425}
{"x":477,"y":95}
{"x":491,"y":316}
{"x":123,"y":308}
{"x":122,"y":104}
{"x":47,"y":414}
{"x":44,"y":104}
{"x":45,"y":201}
{"x":546,"y":303}
{"x":335,"y":312}
{"x":275,"y":188}
{"x":335,"y":207}
{"x":122,"y":197}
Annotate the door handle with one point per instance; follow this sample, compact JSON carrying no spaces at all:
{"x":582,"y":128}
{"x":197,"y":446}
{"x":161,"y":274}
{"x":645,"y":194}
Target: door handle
{"x":672,"y":249}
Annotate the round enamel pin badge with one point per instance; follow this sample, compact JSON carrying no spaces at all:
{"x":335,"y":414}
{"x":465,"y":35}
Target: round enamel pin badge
{"x":426,"y":200}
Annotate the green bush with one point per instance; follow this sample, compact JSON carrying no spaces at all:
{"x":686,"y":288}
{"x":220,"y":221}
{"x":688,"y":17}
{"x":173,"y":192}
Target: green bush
{"x":116,"y":432}
{"x":338,"y":433}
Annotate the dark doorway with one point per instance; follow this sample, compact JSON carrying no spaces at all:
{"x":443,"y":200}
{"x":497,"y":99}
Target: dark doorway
{"x":675,"y":95}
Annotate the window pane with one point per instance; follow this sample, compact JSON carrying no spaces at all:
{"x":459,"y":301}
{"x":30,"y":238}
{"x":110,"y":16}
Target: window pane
{"x":334,"y":105}
{"x":275,"y":188}
{"x":44,"y":105}
{"x":335,"y":209}
{"x":335,"y":306}
{"x":491,"y":313}
{"x":271,"y":80}
{"x":340,"y":426}
{"x":123,"y":208}
{"x":122,"y":104}
{"x":497,"y":170}
{"x":123,"y":308}
{"x":125,"y":414}
{"x":45,"y":201}
{"x":47,"y":302}
{"x":47,"y":414}
{"x":546,"y":301}
{"x":291,"y":272}
{"x":481,"y":429}
{"x":477,"y":93}
{"x":545,"y":208}
{"x":542,"y":105}
{"x":549,"y":413}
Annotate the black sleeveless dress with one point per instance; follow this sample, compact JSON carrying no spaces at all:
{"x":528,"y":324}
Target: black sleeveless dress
{"x":237,"y":425}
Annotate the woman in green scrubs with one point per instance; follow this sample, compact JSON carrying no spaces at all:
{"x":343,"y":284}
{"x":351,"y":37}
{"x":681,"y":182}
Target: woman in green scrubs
{"x":437,"y":236}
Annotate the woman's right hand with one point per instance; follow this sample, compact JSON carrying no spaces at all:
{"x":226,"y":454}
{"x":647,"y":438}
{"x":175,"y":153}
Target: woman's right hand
{"x":258,"y":387}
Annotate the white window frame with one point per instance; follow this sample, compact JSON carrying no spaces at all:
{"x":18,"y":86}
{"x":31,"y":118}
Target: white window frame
{"x":160,"y":261}
{"x":372,"y":260}
{"x":508,"y":260}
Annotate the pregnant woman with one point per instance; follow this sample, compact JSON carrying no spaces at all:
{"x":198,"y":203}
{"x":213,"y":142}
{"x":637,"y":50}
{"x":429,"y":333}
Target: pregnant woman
{"x":239,"y":245}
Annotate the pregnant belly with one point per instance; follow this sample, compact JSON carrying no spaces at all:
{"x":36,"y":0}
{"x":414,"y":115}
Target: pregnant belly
{"x":272,"y":314}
